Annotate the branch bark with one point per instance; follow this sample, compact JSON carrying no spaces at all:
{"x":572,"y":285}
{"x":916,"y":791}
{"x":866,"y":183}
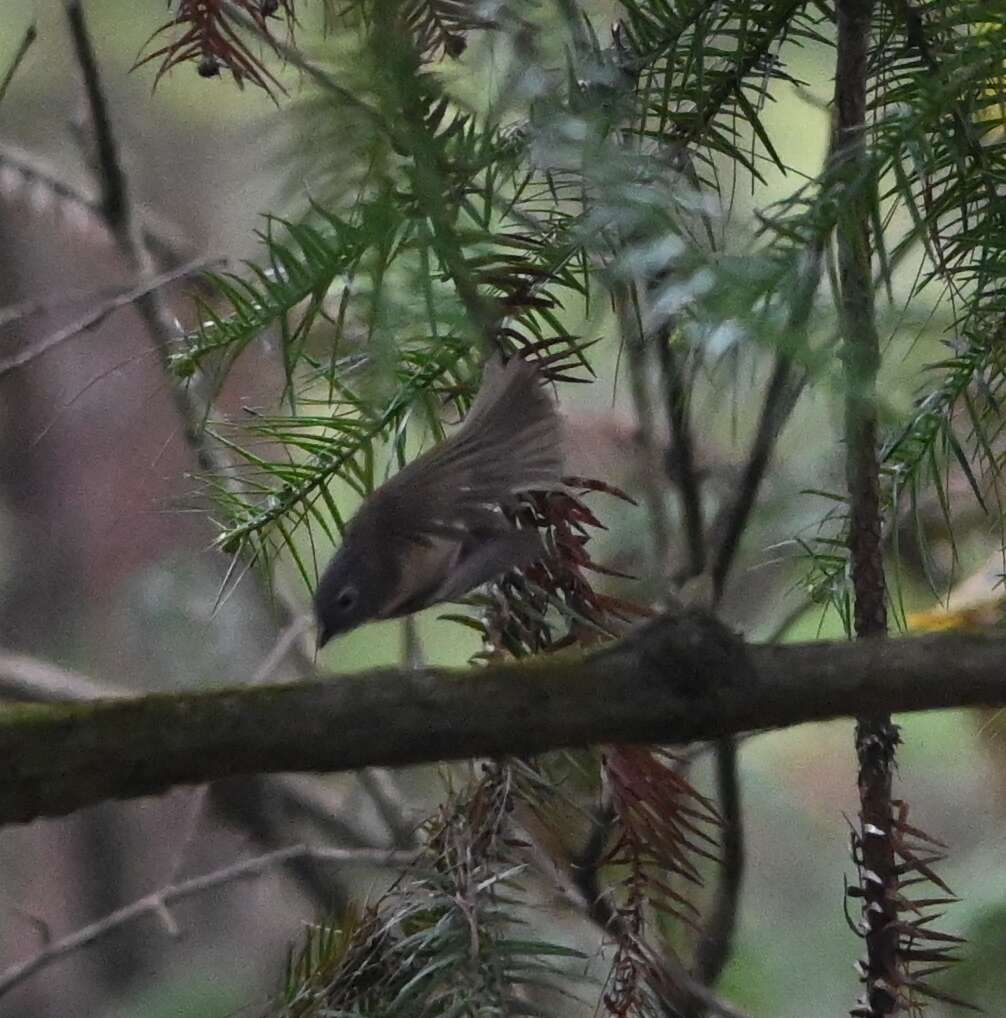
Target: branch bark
{"x":680,"y":679}
{"x":876,"y":735}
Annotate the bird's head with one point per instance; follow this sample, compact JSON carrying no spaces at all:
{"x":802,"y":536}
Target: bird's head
{"x":346,"y":596}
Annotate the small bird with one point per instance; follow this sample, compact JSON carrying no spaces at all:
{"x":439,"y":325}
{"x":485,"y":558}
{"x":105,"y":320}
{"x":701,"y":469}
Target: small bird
{"x":435,"y":530}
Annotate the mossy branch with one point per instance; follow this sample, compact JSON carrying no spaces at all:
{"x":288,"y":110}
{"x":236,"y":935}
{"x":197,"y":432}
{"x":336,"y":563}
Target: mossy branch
{"x":679,"y":679}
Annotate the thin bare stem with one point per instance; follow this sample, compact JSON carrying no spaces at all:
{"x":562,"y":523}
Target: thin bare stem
{"x":193,"y":407}
{"x":115,"y":204}
{"x":31,"y":680}
{"x":382,"y":787}
{"x":781,"y":395}
{"x":716,"y":940}
{"x":117,"y":211}
{"x":141,"y":292}
{"x":158,"y":901}
{"x":17,"y":168}
{"x":634,"y":343}
{"x":30,"y":35}
{"x":682,"y":452}
{"x":670,"y":981}
{"x":713,"y":948}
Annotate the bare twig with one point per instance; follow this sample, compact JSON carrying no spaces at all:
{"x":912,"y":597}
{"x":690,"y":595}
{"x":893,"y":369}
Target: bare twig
{"x":716,"y":940}
{"x":117,"y":212}
{"x":12,"y":313}
{"x":286,"y":642}
{"x":584,"y":866}
{"x":31,"y":33}
{"x":137,"y":294}
{"x":382,"y":787}
{"x":577,"y":881}
{"x":634,"y":342}
{"x":312,"y":799}
{"x":682,"y":452}
{"x":713,"y":948}
{"x":412,"y":644}
{"x":18,"y":168}
{"x":158,"y":901}
{"x":193,"y":407}
{"x":32,"y":680}
{"x":267,"y":809}
{"x":781,"y":396}
{"x":116,"y":208}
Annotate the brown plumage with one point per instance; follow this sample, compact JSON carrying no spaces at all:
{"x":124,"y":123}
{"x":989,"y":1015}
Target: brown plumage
{"x":434,"y":531}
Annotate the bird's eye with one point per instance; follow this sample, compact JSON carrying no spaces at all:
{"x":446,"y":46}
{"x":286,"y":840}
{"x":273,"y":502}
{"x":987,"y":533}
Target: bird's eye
{"x":346,"y":598}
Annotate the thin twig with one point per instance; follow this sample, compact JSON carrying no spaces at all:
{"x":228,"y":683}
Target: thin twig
{"x":682,"y":452}
{"x":380,"y":784}
{"x":286,"y":642}
{"x":31,"y":680}
{"x":633,"y":340}
{"x":412,"y":644}
{"x":163,"y":239}
{"x":315,"y":801}
{"x":781,"y":396}
{"x":141,"y":292}
{"x":715,"y":942}
{"x":585,"y":865}
{"x":11,"y":314}
{"x":30,"y":35}
{"x":713,"y":948}
{"x":157,"y":902}
{"x":267,"y":810}
{"x":116,"y":207}
{"x":670,"y":980}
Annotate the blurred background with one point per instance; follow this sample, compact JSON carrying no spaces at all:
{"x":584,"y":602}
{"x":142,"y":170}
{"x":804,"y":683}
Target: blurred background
{"x":107,"y":570}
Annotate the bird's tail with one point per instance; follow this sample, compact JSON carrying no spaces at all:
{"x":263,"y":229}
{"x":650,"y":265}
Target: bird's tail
{"x":512,"y":436}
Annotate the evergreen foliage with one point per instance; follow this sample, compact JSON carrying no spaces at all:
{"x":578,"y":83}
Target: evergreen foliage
{"x":463,"y":213}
